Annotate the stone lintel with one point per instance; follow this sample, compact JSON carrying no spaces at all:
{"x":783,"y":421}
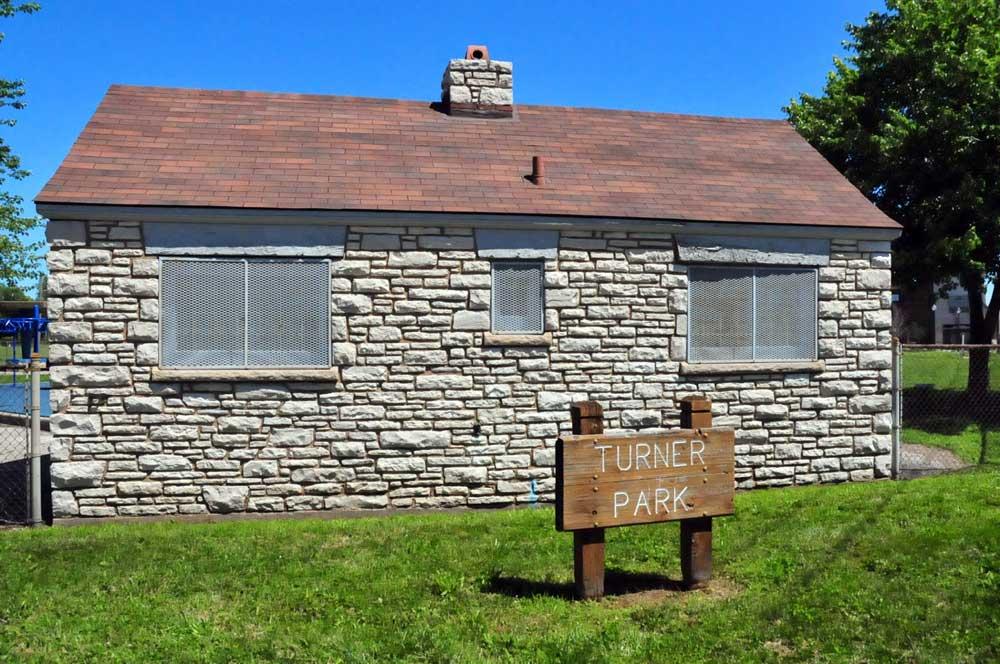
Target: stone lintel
{"x":491,"y":339}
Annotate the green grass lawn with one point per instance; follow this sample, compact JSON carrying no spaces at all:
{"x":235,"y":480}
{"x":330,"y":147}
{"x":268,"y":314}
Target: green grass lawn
{"x":944,"y":369}
{"x":906,"y":571}
{"x":949,"y":370}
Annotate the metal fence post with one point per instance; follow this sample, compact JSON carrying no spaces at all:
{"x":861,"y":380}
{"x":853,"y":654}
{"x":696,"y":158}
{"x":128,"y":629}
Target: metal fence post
{"x":35,"y":445}
{"x":897,"y":406}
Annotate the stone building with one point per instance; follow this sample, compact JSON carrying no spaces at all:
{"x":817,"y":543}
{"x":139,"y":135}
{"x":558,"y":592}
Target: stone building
{"x":279,"y":302}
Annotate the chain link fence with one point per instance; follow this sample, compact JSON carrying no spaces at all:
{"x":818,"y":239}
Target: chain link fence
{"x":15,"y":451}
{"x":947,"y":401}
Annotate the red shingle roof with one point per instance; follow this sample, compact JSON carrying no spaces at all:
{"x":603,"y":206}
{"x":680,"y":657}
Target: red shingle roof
{"x":164,"y":146}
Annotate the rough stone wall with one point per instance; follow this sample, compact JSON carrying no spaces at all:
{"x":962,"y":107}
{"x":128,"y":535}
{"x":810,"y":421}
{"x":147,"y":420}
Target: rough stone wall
{"x":410,"y":313}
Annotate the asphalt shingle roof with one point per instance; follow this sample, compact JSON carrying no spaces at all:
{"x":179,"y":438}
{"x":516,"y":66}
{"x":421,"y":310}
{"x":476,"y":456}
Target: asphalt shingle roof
{"x":167,"y":147}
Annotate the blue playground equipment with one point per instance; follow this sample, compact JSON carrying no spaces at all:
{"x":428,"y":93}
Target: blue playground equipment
{"x":25,"y":333}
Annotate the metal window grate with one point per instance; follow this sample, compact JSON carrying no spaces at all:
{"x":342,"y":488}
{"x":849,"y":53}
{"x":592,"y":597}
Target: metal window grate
{"x":518,"y":302}
{"x":739,"y":314}
{"x":785,"y":314}
{"x":202,"y":317}
{"x":239,"y":313}
{"x":721,"y":314}
{"x":288,"y":314}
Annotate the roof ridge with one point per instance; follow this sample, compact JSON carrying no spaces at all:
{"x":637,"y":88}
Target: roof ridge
{"x":423,"y":103}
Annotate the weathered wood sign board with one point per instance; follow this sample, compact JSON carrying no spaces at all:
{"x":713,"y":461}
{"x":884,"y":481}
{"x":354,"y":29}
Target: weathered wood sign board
{"x":604,"y":481}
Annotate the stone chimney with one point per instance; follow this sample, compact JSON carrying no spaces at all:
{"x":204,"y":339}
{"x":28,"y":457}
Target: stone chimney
{"x":477,"y":86}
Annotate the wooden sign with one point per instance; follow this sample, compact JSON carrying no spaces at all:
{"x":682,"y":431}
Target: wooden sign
{"x":604,"y":481}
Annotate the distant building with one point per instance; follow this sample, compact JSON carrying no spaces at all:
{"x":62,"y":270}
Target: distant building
{"x":922,"y":316}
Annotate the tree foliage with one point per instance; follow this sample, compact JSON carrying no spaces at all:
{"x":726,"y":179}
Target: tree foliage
{"x":18,"y":256}
{"x":912,"y":118}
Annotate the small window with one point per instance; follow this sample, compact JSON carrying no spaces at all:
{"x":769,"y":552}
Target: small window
{"x":244,"y":313}
{"x":518,"y":302}
{"x":748,"y":314}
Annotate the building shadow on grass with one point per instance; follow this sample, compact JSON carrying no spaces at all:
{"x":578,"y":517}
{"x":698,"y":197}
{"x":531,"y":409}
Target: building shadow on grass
{"x":616,"y":582}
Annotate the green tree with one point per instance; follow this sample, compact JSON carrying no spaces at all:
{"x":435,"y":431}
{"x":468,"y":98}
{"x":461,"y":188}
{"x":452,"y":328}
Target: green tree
{"x":10,"y":293}
{"x":18,"y":257}
{"x":912,"y":118}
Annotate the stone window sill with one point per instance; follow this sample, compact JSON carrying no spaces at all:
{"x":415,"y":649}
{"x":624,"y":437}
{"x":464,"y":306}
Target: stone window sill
{"x":491,"y":339}
{"x":254,"y":375}
{"x":729,"y":368}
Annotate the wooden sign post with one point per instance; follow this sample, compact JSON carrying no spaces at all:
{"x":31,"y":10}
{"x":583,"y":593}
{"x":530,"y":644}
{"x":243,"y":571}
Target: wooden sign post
{"x":603,"y":481}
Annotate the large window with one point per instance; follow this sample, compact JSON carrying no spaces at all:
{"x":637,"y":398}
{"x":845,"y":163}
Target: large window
{"x":518,"y":304}
{"x":747,"y":314}
{"x":244,"y":313}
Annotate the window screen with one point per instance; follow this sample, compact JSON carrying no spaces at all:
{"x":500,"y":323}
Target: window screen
{"x":745,"y":314}
{"x":518,"y":302}
{"x":242,"y":313}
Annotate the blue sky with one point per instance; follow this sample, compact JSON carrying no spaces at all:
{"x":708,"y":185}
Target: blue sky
{"x":723,"y":58}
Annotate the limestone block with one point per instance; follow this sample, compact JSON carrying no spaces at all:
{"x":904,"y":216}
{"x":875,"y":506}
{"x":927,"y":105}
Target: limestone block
{"x":812,"y":428}
{"x":641,"y":419}
{"x":470,"y":320}
{"x":77,"y":474}
{"x":465,"y":475}
{"x":371,"y":285}
{"x":874,"y":279}
{"x":406,"y":259}
{"x":772,"y":412}
{"x":83,"y":304}
{"x":145,"y":267}
{"x":878,"y":320}
{"x":875,"y":359}
{"x":877,"y":444}
{"x":342,"y":303}
{"x":144,"y":488}
{"x":291,"y":437}
{"x":299,"y":408}
{"x":873,"y":403}
{"x":356,"y":502}
{"x":64,"y":505}
{"x":788,"y":451}
{"x":59,"y":260}
{"x":414,"y":439}
{"x":235,"y":424}
{"x":350,"y":268}
{"x":75,"y":424}
{"x":364,"y":374}
{"x":459,"y":94}
{"x":425,"y":357}
{"x":757,"y":396}
{"x":173,"y":432}
{"x":66,"y":284}
{"x":137,"y":287}
{"x":558,"y":401}
{"x":149,"y":309}
{"x":347,"y":450}
{"x":147,"y":354}
{"x":89,"y":376}
{"x":152,"y":463}
{"x":143,"y":331}
{"x":838,"y":388}
{"x":882,"y":422}
{"x":400,"y":465}
{"x":260,"y":469}
{"x":362,"y":412}
{"x":444,"y":382}
{"x":139,"y":404}
{"x":93,"y":257}
{"x":224,"y":499}
{"x":496,"y":96}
